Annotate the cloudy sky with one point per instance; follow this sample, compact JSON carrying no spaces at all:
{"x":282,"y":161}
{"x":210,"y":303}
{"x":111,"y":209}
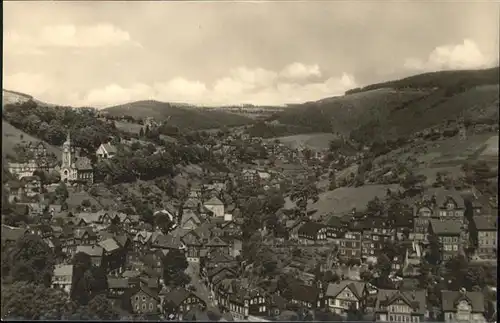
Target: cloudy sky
{"x":216,"y":53}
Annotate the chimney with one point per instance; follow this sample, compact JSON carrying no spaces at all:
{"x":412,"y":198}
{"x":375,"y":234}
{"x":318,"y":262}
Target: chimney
{"x":413,"y":294}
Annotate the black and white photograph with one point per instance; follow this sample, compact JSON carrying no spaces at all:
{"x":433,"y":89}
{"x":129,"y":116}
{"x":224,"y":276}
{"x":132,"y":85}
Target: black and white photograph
{"x":250,"y":161}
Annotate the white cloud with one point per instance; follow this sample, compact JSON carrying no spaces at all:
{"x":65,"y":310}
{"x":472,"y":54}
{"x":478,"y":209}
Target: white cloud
{"x":243,"y":85}
{"x":32,"y":84}
{"x":65,"y":36}
{"x":300,"y":71}
{"x":466,"y":55}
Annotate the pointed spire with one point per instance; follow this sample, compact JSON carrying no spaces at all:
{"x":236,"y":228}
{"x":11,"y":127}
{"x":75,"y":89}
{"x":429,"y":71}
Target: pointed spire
{"x":68,"y":137}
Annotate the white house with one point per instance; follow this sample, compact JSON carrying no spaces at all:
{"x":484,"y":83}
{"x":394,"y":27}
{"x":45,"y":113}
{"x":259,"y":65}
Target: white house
{"x":216,"y":206}
{"x":106,"y":151}
{"x":63,"y":276}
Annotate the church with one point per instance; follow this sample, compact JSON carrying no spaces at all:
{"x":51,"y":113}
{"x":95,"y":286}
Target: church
{"x":75,"y":168}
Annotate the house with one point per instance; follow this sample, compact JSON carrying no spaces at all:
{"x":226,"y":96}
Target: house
{"x":448,"y":233}
{"x":232,"y":296}
{"x":487,"y":236}
{"x":401,"y":306}
{"x":189,"y":220}
{"x":350,"y":244}
{"x":105,"y":151}
{"x":215,"y":206}
{"x":463,"y":306}
{"x":375,"y":233}
{"x":113,"y":258}
{"x":179,"y":301}
{"x":32,"y":185}
{"x":412,"y":261}
{"x":231,"y":229}
{"x":334,"y":228}
{"x":144,"y":300}
{"x":250,"y":176}
{"x":304,"y":295}
{"x":449,"y":205}
{"x":16,"y":190}
{"x":96,"y":253}
{"x":422,"y":214}
{"x":312,"y":233}
{"x":344,"y":295}
{"x":63,"y":277}
{"x":193,"y":244}
{"x":293,"y":227}
{"x":117,"y":287}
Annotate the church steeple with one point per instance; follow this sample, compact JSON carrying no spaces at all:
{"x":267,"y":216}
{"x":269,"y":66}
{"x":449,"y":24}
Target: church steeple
{"x":66,"y":153}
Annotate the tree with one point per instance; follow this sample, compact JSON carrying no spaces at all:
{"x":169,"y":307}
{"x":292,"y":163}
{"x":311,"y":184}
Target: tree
{"x":62,"y":191}
{"x":163,"y":221}
{"x":88,"y":281}
{"x":375,"y":207}
{"x":141,"y":132}
{"x":433,"y":256}
{"x":174,"y":267}
{"x":30,"y":260}
{"x":413,"y":183}
{"x":29,"y":301}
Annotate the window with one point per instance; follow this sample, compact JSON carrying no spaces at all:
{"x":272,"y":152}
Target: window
{"x":150,"y":306}
{"x":375,"y":238}
{"x":143,"y":307}
{"x":143,"y":298}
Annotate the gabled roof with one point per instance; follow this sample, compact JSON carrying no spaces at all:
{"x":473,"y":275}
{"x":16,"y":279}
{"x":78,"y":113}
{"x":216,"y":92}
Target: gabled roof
{"x":213,"y":201}
{"x":355,"y":287}
{"x":216,"y":242}
{"x":446,"y":227}
{"x":109,"y":245}
{"x":450,"y":300}
{"x":93,"y":251}
{"x":83,"y":163}
{"x":177,"y":296}
{"x":109,"y":148}
{"x":486,"y":222}
{"x":310,"y":228}
{"x":118,"y":283}
{"x":168,"y":242}
{"x":89,"y":217}
{"x":189,"y":215}
{"x":416,"y":299}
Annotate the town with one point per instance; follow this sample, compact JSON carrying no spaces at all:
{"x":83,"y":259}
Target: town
{"x":250,"y":161}
{"x":243,"y":235}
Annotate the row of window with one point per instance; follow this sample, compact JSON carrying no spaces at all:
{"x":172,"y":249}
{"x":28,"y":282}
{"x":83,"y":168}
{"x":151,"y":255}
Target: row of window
{"x":144,"y":307}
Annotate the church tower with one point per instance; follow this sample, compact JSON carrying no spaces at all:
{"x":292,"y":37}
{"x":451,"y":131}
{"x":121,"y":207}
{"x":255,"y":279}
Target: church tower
{"x":66,"y":153}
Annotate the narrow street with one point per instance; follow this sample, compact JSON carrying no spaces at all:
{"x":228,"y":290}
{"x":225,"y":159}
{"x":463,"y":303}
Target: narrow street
{"x":201,"y":290}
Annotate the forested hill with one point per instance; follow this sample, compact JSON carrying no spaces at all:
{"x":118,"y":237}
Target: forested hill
{"x":402,"y":107}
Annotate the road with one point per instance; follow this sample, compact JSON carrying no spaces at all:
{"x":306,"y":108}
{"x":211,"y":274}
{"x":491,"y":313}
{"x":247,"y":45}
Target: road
{"x":201,"y":290}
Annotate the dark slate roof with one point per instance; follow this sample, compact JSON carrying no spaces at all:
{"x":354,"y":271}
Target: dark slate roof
{"x":486,"y":222}
{"x":450,"y":299}
{"x":117,"y":283}
{"x":310,"y":228}
{"x":416,"y":299}
{"x":93,"y":251}
{"x":83,"y":163}
{"x":446,"y":227}
{"x":178,"y":296}
{"x":301,"y":292}
{"x":355,"y":287}
{"x":110,"y":148}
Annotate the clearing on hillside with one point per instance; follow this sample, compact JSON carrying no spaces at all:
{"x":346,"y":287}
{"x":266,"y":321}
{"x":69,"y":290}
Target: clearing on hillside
{"x":315,"y":141}
{"x":11,"y":136}
{"x":344,"y":199}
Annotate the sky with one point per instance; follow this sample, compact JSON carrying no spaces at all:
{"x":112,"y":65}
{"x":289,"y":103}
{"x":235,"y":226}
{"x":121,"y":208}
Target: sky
{"x":210,"y":53}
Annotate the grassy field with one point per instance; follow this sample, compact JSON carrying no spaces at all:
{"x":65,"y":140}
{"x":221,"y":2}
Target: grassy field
{"x":344,"y":199}
{"x":135,"y":128}
{"x":11,"y":136}
{"x":76,"y":198}
{"x":316,"y":141}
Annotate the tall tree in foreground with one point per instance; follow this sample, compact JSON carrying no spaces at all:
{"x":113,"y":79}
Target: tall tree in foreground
{"x":30,"y":260}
